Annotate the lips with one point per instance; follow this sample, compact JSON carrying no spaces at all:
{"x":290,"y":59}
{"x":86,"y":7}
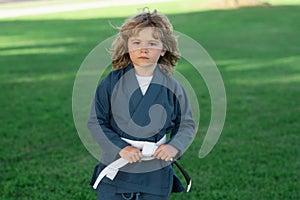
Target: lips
{"x":143,"y":58}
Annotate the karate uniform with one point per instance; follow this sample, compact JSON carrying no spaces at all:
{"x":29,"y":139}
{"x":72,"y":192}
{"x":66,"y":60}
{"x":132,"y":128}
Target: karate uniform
{"x":108,"y":126}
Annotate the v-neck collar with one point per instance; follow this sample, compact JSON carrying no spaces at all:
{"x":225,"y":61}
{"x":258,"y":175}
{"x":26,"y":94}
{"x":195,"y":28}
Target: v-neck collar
{"x":132,"y":82}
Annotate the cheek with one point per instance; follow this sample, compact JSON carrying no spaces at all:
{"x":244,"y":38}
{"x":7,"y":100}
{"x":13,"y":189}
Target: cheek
{"x":132,"y":51}
{"x":157,"y":52}
{"x":131,"y":48}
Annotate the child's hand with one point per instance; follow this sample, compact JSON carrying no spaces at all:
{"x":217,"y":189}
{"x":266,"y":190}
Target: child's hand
{"x":165,"y":152}
{"x":131,"y":154}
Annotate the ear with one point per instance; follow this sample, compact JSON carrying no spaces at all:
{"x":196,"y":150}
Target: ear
{"x":163,"y":52}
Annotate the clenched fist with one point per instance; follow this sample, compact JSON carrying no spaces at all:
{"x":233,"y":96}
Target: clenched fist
{"x":165,"y":152}
{"x":131,"y":154}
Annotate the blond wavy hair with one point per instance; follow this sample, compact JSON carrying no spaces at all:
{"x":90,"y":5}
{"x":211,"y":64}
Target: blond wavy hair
{"x":163,"y":30}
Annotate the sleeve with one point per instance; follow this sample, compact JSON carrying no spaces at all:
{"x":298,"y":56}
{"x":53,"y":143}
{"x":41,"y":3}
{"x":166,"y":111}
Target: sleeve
{"x":99,"y":123}
{"x":184,"y":130}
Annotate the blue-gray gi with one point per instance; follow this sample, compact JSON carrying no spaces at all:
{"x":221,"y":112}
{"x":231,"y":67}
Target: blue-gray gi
{"x":120,"y":110}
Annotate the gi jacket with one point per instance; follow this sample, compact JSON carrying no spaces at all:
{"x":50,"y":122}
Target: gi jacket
{"x":120,"y":110}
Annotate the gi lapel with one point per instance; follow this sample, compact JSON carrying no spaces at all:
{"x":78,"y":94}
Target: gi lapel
{"x":137,"y":115}
{"x":144,"y":105}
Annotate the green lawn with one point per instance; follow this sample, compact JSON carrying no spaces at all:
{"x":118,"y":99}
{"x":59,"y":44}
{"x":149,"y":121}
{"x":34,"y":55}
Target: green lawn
{"x":257,"y":51}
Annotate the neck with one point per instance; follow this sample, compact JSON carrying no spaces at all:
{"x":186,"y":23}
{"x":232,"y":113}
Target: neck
{"x":145,"y":70}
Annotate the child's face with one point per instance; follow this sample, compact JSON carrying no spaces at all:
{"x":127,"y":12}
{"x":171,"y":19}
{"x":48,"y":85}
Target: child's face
{"x":144,"y":49}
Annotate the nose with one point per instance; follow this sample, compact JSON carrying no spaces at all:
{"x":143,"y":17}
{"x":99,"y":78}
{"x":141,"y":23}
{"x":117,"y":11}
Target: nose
{"x":144,"y":49}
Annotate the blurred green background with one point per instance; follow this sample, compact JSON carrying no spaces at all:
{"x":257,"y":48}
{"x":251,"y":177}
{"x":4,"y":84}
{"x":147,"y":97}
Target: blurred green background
{"x":256,"y":49}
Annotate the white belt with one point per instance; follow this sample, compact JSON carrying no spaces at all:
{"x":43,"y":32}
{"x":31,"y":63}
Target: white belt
{"x":148,"y":149}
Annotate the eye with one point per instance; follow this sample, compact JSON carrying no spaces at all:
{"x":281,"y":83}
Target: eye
{"x":153,"y":43}
{"x":136,"y":42}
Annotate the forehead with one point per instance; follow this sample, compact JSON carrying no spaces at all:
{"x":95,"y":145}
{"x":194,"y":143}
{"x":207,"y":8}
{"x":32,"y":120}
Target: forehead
{"x":145,"y":33}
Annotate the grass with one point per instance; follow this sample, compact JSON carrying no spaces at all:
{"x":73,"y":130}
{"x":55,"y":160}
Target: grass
{"x":32,"y":4}
{"x":257,"y":52}
{"x":177,"y":6}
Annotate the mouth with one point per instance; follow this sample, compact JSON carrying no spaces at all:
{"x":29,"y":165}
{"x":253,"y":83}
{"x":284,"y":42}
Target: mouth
{"x":143,"y":58}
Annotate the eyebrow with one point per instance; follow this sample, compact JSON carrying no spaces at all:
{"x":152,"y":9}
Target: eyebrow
{"x":153,"y":41}
{"x":135,"y":39}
